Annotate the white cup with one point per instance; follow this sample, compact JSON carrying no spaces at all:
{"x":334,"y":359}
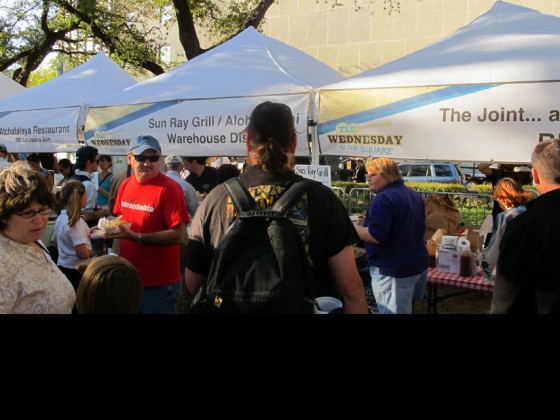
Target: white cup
{"x":326,"y":304}
{"x":354,"y":218}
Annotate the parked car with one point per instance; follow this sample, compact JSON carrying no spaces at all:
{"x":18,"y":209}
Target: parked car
{"x":437,"y":172}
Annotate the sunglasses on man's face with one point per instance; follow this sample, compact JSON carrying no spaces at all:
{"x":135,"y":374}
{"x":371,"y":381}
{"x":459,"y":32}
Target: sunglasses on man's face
{"x":142,"y":158}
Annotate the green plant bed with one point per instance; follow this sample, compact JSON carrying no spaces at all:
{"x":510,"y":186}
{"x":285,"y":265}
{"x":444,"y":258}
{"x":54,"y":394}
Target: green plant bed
{"x":481,"y":189}
{"x":416,"y":186}
{"x":433,"y":187}
{"x":474,"y":205}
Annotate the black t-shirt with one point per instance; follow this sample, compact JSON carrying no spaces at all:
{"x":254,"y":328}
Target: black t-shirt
{"x":207,"y":180}
{"x":361,"y":174}
{"x":320,"y":217}
{"x":523,"y":177}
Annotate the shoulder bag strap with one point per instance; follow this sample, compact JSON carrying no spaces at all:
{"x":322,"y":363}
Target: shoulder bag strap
{"x":45,"y":250}
{"x":104,"y":178}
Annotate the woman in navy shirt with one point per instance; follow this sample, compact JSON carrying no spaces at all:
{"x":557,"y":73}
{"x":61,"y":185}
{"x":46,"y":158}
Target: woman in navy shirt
{"x":393,"y":231}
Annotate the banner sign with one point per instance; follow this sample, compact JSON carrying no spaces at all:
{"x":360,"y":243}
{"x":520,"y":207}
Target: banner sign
{"x":41,"y":131}
{"x":321,"y":173}
{"x":206,"y":127}
{"x":501,"y":122}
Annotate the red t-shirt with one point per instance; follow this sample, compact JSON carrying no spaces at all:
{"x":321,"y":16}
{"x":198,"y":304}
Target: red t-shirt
{"x":152,"y":207}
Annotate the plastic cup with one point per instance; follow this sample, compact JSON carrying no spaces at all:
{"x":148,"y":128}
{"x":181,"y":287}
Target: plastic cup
{"x":97,"y":239}
{"x":326,"y":304}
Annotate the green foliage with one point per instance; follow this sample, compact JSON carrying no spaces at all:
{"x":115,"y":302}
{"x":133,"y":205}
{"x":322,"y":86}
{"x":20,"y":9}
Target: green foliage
{"x":41,"y":76}
{"x":417,"y":186}
{"x":434,"y":187}
{"x":234,"y":18}
{"x":481,"y":189}
{"x":129,"y":30}
{"x":473,"y":205}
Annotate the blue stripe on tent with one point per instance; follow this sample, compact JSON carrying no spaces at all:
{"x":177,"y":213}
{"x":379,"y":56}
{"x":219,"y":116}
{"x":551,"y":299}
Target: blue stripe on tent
{"x":403,"y":105}
{"x":125,"y":119}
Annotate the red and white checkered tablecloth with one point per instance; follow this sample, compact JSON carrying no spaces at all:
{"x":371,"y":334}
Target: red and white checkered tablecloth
{"x":455,"y":280}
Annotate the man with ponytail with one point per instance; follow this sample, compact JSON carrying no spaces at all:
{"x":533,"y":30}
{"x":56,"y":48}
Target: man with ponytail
{"x":319,"y":216}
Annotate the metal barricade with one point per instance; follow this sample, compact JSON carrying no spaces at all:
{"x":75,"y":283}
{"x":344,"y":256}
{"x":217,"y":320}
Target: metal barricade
{"x":341,"y":194}
{"x":474,"y":208}
{"x":358,"y":200}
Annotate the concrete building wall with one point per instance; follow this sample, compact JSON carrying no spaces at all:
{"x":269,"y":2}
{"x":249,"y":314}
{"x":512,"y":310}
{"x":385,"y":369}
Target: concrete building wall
{"x":354,"y":39}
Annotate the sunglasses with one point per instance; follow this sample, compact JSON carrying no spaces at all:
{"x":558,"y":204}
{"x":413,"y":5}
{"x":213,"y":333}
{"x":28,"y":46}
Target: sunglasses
{"x":142,"y":158}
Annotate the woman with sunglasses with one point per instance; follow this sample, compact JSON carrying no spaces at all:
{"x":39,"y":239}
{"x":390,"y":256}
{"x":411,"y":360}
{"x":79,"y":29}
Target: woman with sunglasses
{"x":30,"y":282}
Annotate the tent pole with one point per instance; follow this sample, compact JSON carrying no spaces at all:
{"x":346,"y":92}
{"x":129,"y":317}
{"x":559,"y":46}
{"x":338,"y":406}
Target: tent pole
{"x":314,"y":142}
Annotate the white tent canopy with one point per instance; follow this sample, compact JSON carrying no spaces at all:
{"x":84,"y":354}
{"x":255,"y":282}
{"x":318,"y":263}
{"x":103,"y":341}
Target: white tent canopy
{"x":49,"y":117}
{"x":8,"y":86}
{"x":486,"y":92}
{"x":201,"y":107}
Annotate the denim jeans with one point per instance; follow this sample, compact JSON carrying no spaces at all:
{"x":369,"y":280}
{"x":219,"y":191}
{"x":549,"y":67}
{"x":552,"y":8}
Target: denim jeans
{"x":161,"y":299}
{"x":394,"y":295}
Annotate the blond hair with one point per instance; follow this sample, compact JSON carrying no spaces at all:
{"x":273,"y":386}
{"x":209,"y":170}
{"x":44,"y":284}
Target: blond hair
{"x":70,"y":198}
{"x":387,"y":168}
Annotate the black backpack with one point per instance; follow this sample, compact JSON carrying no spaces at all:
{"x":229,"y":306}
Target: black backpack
{"x":261,"y":265}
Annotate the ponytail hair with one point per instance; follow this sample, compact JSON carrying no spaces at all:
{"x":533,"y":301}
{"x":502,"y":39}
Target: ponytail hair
{"x":71,"y":199}
{"x":271,"y":135}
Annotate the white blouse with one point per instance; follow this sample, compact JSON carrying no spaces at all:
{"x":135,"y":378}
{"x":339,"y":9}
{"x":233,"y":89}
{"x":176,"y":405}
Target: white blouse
{"x":31,"y":283}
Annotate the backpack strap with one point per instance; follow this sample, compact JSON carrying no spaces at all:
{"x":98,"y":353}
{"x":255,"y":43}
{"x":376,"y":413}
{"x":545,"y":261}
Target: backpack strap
{"x":244,"y":201}
{"x":290,"y":196}
{"x":241,"y":198}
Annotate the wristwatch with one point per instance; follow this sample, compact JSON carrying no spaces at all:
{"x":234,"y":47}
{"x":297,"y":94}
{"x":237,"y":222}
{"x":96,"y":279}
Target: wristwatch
{"x":139,"y":238}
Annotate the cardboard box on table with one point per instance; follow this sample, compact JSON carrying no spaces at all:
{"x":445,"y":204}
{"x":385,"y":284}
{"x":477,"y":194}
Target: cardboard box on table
{"x":474,"y":237}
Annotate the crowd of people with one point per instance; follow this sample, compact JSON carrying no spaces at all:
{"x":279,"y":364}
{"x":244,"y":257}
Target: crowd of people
{"x":175,"y":221}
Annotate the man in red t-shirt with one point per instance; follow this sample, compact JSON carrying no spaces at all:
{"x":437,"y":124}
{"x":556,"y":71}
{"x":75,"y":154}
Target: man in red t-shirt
{"x":154,"y":206}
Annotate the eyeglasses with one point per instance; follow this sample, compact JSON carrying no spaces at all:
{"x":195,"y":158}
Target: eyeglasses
{"x":371,"y":175}
{"x":31,"y":213}
{"x":142,"y":158}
